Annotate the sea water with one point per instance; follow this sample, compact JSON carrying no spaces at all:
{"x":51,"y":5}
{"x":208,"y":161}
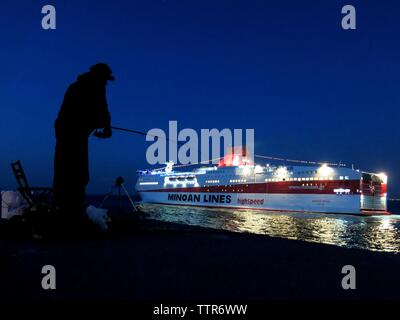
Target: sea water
{"x":376,"y":233}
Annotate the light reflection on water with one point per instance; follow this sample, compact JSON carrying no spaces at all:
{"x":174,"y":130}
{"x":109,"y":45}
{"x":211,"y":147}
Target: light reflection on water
{"x":377,"y":233}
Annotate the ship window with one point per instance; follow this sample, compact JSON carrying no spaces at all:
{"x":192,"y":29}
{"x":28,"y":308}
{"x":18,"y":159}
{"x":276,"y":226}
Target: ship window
{"x":346,"y":177}
{"x":341,"y":177}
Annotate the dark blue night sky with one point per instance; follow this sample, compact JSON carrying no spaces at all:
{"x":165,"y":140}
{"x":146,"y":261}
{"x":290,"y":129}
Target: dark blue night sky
{"x":285,"y":68}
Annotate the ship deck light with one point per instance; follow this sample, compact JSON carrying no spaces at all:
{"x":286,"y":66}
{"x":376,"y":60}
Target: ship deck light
{"x":383,"y":176}
{"x":324,"y":170}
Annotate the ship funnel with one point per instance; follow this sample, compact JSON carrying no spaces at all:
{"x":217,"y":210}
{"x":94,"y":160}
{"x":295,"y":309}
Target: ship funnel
{"x":235,"y":156}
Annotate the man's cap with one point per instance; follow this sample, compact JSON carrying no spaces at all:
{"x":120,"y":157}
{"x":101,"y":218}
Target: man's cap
{"x":102,"y":70}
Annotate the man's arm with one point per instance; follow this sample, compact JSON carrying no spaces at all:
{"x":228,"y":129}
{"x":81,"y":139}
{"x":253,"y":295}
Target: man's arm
{"x":102,"y":117}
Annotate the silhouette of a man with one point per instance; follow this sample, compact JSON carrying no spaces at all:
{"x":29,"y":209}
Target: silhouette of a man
{"x":83,"y":111}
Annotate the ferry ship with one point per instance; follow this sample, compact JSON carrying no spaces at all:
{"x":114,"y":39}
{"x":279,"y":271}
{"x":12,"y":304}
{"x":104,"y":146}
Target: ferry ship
{"x":233,"y":183}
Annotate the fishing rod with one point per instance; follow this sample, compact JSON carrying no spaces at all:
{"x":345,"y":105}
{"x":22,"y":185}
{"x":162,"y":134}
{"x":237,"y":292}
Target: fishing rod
{"x":256,"y":155}
{"x":143,"y":134}
{"x":129,"y":130}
